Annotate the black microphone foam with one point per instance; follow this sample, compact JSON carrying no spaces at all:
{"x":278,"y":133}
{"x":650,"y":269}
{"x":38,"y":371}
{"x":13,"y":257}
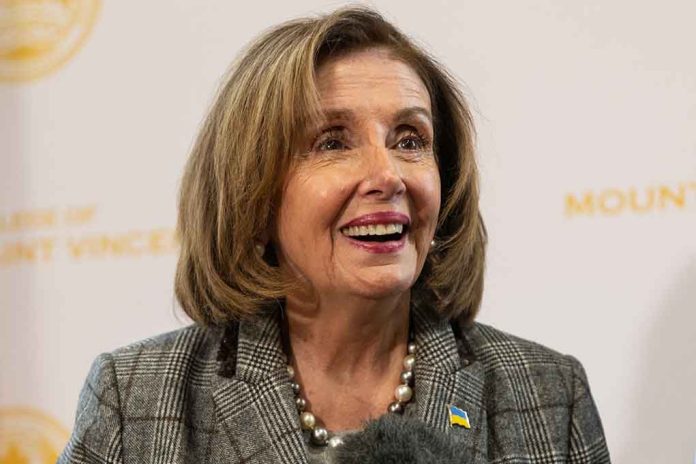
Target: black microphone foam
{"x":400,"y":440}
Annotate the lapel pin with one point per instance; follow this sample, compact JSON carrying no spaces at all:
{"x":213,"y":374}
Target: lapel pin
{"x":458,"y":417}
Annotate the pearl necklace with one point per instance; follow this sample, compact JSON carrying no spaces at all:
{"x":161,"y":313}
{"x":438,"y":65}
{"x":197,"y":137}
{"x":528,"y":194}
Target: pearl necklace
{"x":320,"y":436}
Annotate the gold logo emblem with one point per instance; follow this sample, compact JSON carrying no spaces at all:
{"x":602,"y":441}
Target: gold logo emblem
{"x":38,"y":36}
{"x":28,"y":436}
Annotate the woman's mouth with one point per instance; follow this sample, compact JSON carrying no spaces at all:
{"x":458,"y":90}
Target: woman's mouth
{"x":379,"y":233}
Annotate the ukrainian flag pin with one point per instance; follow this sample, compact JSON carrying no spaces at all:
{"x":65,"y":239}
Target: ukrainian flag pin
{"x":458,"y":417}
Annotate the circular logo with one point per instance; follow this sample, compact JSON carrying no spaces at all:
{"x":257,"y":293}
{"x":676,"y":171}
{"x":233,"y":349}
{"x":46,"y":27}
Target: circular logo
{"x":38,"y":36}
{"x":29,"y":436}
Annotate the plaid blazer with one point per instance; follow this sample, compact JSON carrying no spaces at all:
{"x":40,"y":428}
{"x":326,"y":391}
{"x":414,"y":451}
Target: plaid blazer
{"x":200,"y":395}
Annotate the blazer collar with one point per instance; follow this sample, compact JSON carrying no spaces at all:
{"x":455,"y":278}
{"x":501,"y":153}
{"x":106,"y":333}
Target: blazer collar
{"x":448,"y":374}
{"x":256,"y":404}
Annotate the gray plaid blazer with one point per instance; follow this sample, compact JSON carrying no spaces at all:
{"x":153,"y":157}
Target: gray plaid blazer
{"x":200,"y":395}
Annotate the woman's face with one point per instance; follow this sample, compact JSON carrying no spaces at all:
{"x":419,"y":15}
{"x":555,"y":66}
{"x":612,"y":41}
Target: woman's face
{"x":361,"y":202}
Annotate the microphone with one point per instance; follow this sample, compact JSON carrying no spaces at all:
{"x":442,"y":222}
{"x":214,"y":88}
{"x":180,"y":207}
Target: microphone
{"x":398,"y":439}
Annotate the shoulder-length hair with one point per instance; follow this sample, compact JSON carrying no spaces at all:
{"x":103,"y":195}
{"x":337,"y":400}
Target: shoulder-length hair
{"x":233,"y":180}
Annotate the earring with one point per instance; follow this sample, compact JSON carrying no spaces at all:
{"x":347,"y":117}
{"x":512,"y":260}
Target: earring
{"x":432,"y":243}
{"x":260,"y":248}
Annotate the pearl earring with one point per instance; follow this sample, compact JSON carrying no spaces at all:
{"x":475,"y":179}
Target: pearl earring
{"x":432,"y":243}
{"x":260,"y":248}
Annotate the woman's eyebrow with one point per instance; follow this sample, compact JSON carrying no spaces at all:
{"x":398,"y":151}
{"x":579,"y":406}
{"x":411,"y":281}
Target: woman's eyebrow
{"x":338,"y":114}
{"x":413,"y":111}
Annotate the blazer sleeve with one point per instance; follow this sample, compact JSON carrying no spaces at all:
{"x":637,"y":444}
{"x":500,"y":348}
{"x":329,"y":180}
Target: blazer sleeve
{"x":96,"y":437}
{"x":587,"y":443}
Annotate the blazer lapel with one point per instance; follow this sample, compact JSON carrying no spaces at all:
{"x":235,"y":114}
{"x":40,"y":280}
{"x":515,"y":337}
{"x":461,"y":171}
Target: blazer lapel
{"x":256,"y":406}
{"x":447,"y":374}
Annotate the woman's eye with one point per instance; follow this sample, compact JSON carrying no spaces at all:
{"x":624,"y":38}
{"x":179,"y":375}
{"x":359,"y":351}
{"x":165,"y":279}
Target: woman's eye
{"x":411,"y":142}
{"x":330,"y":144}
{"x":331,"y":140}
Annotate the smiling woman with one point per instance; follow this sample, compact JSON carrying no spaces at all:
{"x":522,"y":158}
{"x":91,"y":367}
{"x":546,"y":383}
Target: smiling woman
{"x":332,"y":257}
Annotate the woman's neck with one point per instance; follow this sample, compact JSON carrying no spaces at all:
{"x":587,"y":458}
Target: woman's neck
{"x":348,"y":354}
{"x":348,"y":335}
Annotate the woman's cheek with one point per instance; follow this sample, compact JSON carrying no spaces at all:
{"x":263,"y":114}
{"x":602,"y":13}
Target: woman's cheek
{"x":425,"y":189}
{"x":319,"y":198}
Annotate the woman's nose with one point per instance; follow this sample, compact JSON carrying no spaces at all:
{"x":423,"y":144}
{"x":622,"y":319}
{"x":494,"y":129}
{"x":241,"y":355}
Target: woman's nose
{"x":382,"y":175}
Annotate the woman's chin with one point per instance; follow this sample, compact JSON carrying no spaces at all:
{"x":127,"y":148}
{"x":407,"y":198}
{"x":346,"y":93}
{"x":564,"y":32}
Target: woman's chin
{"x":382,"y":285}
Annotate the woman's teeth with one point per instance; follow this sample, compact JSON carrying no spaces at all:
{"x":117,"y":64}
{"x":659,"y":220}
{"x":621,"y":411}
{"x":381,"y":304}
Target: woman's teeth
{"x":373,"y":229}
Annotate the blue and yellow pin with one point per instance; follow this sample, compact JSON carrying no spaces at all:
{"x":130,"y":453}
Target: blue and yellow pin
{"x":458,"y":417}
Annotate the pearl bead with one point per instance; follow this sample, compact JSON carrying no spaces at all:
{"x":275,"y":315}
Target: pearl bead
{"x":407,"y":377}
{"x":403,"y":393}
{"x":301,"y":404}
{"x":308,"y":420}
{"x":260,"y":248}
{"x":320,"y":436}
{"x":335,"y":442}
{"x":396,"y":408}
{"x":409,"y":361}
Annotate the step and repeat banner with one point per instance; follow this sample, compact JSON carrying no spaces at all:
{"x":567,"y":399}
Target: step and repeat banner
{"x":586,"y":115}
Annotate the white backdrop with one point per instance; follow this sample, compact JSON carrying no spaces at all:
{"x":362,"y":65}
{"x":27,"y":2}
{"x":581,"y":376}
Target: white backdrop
{"x":586,"y":113}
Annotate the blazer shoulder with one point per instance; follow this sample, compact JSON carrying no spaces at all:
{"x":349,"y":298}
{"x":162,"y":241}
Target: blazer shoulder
{"x":132,"y":394}
{"x":506,"y":359}
{"x":500,"y":348}
{"x":176,"y":353}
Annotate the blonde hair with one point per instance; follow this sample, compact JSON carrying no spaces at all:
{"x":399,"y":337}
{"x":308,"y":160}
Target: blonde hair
{"x":233,"y":180}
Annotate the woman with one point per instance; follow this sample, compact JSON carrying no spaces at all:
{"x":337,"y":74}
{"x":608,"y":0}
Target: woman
{"x":332,"y":257}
